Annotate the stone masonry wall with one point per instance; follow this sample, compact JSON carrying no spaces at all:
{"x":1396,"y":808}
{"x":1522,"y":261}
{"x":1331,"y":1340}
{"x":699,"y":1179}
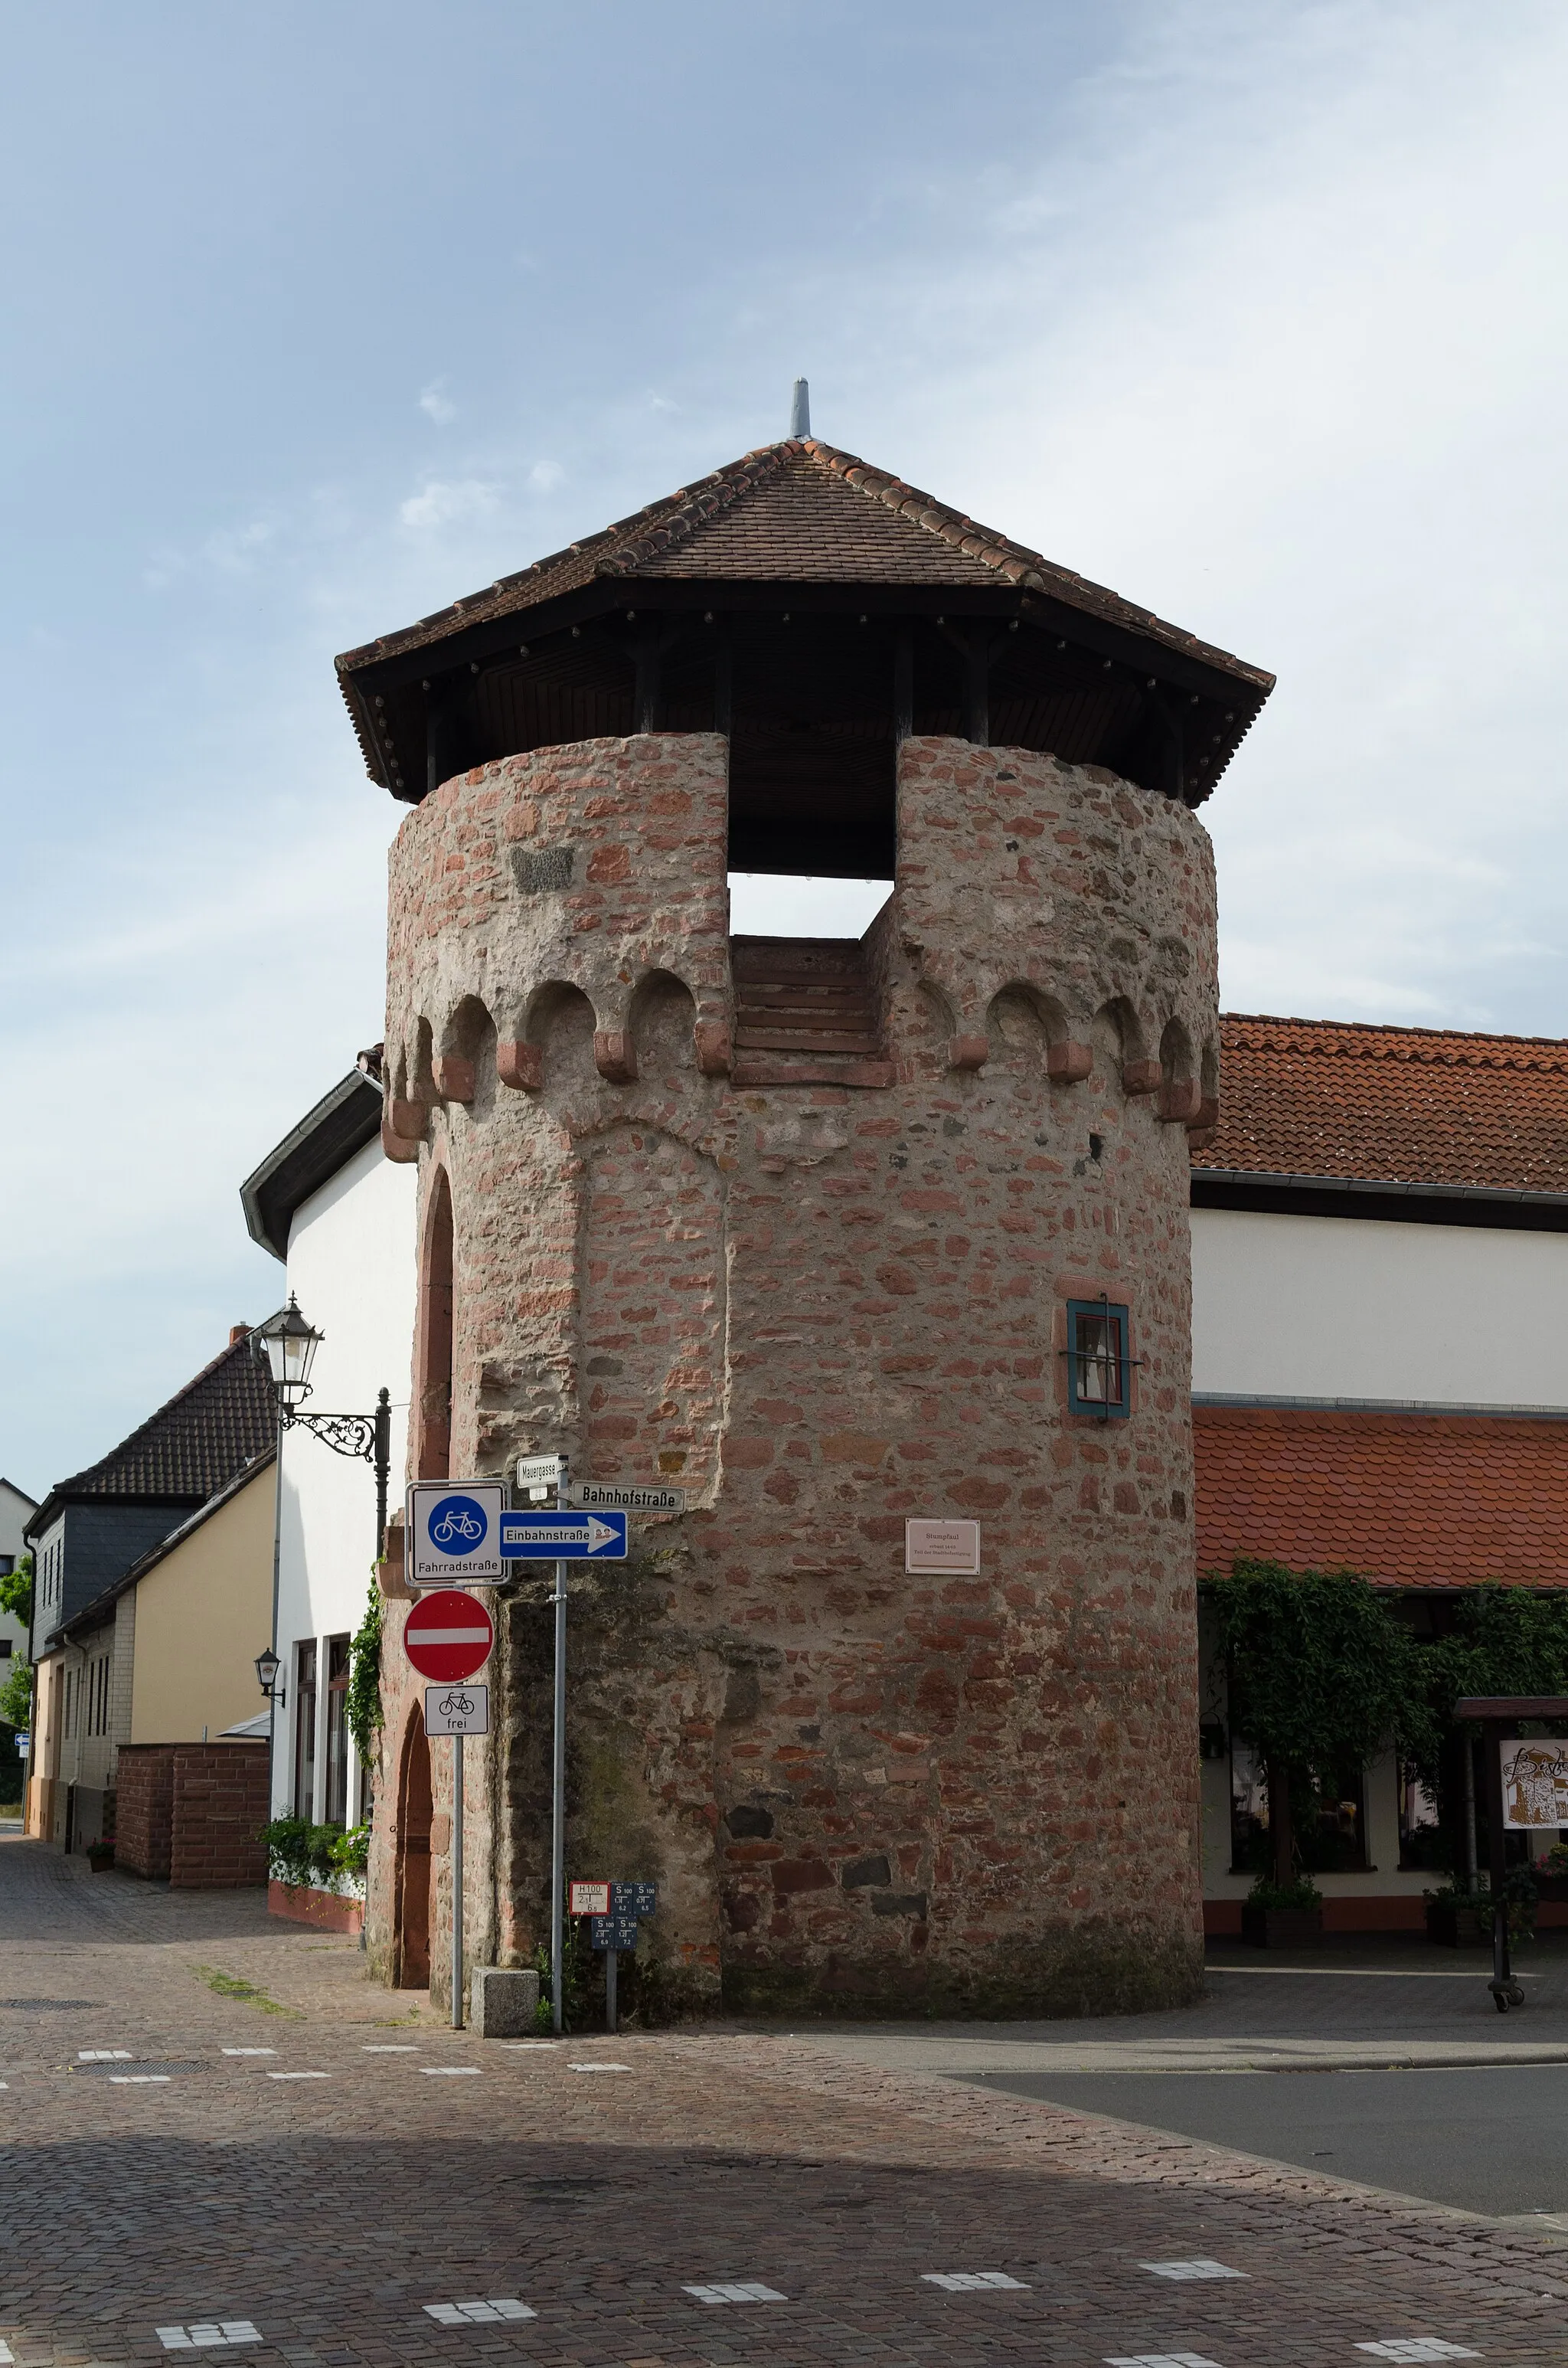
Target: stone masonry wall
{"x":824,"y":1310}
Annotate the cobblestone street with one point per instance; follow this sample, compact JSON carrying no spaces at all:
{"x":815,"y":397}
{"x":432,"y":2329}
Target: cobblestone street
{"x":180,"y":2155}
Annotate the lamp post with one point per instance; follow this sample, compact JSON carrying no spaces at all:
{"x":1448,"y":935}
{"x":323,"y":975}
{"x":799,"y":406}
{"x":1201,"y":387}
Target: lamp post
{"x":291,"y":1342}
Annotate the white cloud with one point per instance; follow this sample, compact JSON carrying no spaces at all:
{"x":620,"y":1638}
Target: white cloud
{"x":444,"y":501}
{"x":545,"y":475}
{"x":436,"y":405}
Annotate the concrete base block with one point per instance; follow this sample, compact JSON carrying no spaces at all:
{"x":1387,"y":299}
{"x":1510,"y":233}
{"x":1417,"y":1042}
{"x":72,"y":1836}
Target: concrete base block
{"x":503,"y":2002}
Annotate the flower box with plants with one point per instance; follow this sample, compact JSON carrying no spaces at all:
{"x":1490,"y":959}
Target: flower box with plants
{"x":317,"y":1872}
{"x":1283,"y":1914}
{"x":1458,"y":1919}
{"x":100,"y":1855}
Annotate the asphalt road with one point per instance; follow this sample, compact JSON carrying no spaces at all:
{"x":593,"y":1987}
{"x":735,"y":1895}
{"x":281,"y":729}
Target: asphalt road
{"x":1487,"y":2139}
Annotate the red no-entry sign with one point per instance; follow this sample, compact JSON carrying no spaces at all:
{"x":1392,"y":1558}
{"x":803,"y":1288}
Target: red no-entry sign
{"x":448,"y":1635}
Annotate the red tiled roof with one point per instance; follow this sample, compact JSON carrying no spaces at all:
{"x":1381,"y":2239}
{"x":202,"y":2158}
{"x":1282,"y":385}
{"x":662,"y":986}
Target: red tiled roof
{"x":800,"y":512}
{"x":1416,"y":1500}
{"x":1405,"y":1105}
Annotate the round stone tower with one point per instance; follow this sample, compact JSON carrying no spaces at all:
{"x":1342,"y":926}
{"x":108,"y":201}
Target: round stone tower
{"x":835,"y":1236}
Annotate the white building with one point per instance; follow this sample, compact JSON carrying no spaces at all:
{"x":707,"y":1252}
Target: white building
{"x":341,"y":1218}
{"x":1380,"y":1275}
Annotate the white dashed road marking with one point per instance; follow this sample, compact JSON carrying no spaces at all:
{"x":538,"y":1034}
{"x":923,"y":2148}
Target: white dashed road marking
{"x":103,"y":2056}
{"x":1198,"y":2268}
{"x":212,"y":2331}
{"x":250,"y":2051}
{"x":1159,"y":2359}
{"x":448,"y":2071}
{"x":389,"y":2047}
{"x":1414,"y":2348}
{"x":299,"y":2076}
{"x":748,"y":2293}
{"x":139,"y":2079}
{"x":971,"y":2281}
{"x":598,"y":2068}
{"x":477,"y":2313}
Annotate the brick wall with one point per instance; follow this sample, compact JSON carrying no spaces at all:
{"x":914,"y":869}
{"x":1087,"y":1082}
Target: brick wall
{"x":145,"y":1809}
{"x":823,"y":1311}
{"x":220,"y":1806}
{"x":188,"y":1813}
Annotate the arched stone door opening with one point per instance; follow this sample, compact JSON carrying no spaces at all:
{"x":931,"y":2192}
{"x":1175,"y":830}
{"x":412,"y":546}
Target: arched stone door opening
{"x":413,"y":1811}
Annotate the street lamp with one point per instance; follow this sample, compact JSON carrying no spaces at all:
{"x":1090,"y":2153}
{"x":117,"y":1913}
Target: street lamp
{"x":291,"y":1341}
{"x":292,"y":1344}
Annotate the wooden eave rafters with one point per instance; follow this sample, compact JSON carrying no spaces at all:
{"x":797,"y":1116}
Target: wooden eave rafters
{"x":609,"y":572}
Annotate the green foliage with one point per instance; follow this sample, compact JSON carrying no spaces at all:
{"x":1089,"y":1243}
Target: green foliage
{"x":230,"y":1985}
{"x":1321,"y":1672}
{"x":1268,"y":1894}
{"x":16,"y":1696}
{"x":16,"y":1589}
{"x":351,"y":1851}
{"x":1505,"y":1640}
{"x":300,"y":1852}
{"x":362,"y":1706}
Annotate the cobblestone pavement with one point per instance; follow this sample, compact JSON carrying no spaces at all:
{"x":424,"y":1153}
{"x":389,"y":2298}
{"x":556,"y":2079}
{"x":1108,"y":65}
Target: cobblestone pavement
{"x":321,"y":2198}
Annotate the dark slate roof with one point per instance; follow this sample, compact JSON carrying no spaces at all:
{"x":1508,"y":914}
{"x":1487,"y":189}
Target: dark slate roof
{"x":191,"y":1447}
{"x":92,"y":1614}
{"x":342,"y":1123}
{"x":797,"y":512}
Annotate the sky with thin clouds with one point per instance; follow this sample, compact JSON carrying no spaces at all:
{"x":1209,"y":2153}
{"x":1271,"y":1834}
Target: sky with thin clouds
{"x":316,"y":318}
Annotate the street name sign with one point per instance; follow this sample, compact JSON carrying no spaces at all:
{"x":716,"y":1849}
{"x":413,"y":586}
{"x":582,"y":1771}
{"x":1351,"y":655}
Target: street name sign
{"x":460,"y":1709}
{"x":448,"y":1635}
{"x":538,"y":1471}
{"x":454,"y":1532}
{"x":564,"y":1537}
{"x":942,"y":1549}
{"x":588,"y":1493}
{"x":590,"y":1899}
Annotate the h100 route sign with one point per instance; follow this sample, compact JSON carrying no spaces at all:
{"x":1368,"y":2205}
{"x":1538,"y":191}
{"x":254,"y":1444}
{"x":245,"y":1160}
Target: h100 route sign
{"x":448,"y":1635}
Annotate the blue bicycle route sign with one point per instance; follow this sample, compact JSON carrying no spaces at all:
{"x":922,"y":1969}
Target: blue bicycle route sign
{"x":454,"y":1532}
{"x":564,"y":1537}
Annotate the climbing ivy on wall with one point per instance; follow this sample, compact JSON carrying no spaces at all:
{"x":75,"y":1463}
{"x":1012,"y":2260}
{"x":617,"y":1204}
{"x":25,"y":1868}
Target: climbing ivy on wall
{"x":1321,"y":1673}
{"x":362,"y":1707}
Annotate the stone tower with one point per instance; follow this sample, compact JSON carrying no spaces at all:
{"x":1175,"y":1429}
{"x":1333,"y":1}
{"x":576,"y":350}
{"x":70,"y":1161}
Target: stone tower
{"x":833,"y":1235}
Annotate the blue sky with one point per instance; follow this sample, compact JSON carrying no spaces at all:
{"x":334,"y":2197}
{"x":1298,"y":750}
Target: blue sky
{"x":316,"y":316}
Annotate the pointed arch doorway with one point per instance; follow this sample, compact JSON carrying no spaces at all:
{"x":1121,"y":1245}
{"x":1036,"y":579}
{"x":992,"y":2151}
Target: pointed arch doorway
{"x":414,"y":1812}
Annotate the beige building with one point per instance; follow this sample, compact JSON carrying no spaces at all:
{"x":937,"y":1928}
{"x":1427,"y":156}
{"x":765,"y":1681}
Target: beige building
{"x":167,"y":1655}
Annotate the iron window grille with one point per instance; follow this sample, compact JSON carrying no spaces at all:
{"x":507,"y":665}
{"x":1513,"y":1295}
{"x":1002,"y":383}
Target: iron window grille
{"x":1099,"y":1371}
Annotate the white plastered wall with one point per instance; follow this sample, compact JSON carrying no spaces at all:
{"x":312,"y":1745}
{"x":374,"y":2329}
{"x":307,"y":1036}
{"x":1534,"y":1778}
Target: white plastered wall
{"x":1342,"y":1307}
{"x":351,"y":1267}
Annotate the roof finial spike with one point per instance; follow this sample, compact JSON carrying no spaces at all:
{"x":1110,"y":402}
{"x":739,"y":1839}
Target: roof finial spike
{"x":801,"y":409}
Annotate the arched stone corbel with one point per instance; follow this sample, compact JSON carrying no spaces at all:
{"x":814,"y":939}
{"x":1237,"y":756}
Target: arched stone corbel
{"x":715,"y":1047}
{"x":454,"y":1077}
{"x":968,"y":1051}
{"x":1067,"y":1064}
{"x":615,"y":1056}
{"x":520,"y":1064}
{"x":401,"y":1148}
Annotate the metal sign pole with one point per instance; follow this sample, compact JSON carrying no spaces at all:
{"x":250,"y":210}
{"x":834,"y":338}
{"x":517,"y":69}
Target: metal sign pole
{"x":456,"y":1882}
{"x":609,"y":1989}
{"x":558,"y":1789}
